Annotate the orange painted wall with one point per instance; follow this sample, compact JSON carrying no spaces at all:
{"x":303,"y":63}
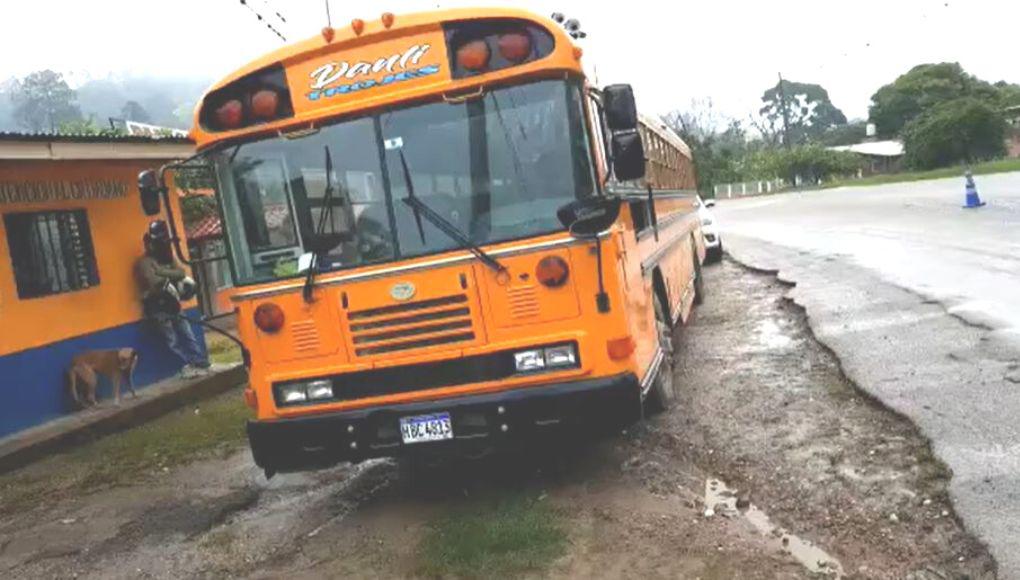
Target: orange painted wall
{"x":117,"y":226}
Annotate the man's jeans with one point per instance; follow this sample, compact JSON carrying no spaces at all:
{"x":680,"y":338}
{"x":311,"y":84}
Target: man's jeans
{"x":176,"y":333}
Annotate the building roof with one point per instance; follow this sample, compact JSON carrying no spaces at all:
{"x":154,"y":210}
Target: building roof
{"x":891,"y":148}
{"x":207,"y":228}
{"x":45,"y":137}
{"x":50,"y":146}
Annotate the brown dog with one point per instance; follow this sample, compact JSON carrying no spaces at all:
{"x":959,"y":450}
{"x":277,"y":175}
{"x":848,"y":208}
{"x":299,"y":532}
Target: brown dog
{"x":116,"y":365}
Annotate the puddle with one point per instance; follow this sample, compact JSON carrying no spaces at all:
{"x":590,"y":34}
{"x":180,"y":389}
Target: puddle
{"x":771,"y":335}
{"x":723,"y":501}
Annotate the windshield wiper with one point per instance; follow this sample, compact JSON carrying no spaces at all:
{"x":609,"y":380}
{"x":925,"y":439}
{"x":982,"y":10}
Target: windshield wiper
{"x":324,"y":218}
{"x":421,"y":208}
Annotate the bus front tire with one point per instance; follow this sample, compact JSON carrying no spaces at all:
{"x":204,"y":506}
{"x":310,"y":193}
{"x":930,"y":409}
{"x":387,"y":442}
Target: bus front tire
{"x":662,"y":393}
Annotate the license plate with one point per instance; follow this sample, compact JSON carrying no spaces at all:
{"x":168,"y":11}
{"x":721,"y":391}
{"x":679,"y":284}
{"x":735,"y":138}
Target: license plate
{"x":435,"y":427}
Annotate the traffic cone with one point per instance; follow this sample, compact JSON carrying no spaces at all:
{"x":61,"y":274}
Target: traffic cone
{"x":973,"y":200}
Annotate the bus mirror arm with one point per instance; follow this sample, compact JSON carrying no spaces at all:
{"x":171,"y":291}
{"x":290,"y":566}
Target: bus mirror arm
{"x":152,"y":187}
{"x":601,"y":299}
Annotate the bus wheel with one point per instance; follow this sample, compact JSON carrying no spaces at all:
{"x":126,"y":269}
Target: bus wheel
{"x":662,"y":392}
{"x":699,"y":281}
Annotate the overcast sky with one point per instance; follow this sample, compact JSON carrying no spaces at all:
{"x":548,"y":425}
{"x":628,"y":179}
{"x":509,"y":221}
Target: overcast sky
{"x":671,"y":51}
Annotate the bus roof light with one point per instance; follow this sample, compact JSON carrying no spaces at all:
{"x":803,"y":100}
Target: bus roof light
{"x":515,"y":46}
{"x":230,"y":114}
{"x":328,"y":33}
{"x":473,"y":55}
{"x":358,"y":26}
{"x":265,"y":104}
{"x":387,"y":19}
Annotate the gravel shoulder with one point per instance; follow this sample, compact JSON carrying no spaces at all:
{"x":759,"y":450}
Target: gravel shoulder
{"x":771,"y":465}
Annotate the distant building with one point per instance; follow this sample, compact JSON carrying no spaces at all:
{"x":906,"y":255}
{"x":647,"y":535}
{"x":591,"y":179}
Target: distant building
{"x":879,"y":156}
{"x":71,"y":227}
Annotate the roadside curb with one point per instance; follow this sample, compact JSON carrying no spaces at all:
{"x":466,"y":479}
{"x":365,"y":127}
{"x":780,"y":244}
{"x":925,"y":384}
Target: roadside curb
{"x":24,"y":447}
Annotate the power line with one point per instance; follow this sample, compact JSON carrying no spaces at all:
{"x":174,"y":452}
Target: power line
{"x":274,"y":11}
{"x":263,"y":20}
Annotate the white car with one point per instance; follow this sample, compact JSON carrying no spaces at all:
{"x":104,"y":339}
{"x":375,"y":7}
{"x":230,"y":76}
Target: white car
{"x":709,"y":229}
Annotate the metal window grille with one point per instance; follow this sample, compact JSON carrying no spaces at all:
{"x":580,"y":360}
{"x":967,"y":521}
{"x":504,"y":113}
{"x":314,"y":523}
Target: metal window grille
{"x":51,"y":252}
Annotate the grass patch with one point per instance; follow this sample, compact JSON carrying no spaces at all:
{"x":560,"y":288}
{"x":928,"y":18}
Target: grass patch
{"x":174,"y":439}
{"x":500,"y":537}
{"x":221,"y":349}
{"x":997,"y":166}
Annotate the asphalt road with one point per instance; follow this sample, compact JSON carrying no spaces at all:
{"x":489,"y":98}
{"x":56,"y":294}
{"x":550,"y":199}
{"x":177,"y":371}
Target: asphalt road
{"x":920,"y":301}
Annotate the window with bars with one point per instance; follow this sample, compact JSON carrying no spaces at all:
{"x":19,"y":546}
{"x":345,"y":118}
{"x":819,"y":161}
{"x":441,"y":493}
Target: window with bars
{"x":51,"y":252}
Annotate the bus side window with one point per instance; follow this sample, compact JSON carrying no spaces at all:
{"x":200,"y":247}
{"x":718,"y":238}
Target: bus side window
{"x":599,"y":137}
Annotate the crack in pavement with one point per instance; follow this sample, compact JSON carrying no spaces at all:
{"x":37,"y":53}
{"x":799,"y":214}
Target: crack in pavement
{"x":965,"y":405}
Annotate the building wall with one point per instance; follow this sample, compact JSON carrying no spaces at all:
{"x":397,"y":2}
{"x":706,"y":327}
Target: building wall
{"x":38,"y":336}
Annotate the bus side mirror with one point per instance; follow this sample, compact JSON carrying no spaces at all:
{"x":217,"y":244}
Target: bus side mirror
{"x":589,"y":217}
{"x":149,"y":188}
{"x":619,"y":107}
{"x":628,"y":156}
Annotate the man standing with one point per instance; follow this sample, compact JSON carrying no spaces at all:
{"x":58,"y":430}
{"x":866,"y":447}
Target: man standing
{"x":162,"y":281}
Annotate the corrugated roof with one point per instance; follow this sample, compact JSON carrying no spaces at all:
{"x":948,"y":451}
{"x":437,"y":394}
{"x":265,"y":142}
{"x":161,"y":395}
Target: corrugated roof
{"x":104,"y":138}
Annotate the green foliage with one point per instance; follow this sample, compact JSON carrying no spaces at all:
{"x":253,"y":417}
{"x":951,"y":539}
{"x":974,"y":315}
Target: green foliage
{"x":848,"y":134}
{"x":133,"y":111}
{"x":715,"y":153}
{"x":497,"y":538}
{"x":961,"y":130}
{"x":43,"y":101}
{"x":86,"y":127}
{"x":986,"y":168}
{"x":195,"y":208}
{"x":217,"y":424}
{"x":810,"y":111}
{"x":812,"y":163}
{"x":894,"y":105}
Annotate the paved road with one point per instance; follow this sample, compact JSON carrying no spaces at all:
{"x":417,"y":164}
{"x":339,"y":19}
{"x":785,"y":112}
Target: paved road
{"x":919,"y":300}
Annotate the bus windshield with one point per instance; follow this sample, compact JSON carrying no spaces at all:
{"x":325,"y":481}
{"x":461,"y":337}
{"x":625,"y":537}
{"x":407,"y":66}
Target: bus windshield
{"x":496,"y":166}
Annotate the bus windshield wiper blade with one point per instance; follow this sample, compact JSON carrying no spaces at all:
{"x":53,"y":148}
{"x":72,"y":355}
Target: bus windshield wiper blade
{"x":421,"y":208}
{"x":324,"y":217}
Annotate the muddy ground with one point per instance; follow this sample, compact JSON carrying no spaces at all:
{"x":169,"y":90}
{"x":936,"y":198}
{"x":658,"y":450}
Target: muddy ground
{"x":771,"y":465}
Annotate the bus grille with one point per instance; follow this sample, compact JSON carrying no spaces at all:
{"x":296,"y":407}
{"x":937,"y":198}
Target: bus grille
{"x":411,"y":326}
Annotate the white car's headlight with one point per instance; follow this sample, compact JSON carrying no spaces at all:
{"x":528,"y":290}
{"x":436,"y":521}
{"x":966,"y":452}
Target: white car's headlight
{"x":706,"y":221}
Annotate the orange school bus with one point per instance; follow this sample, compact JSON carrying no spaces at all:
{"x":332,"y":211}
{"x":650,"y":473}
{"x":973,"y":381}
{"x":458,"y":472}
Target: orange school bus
{"x":445,"y":240}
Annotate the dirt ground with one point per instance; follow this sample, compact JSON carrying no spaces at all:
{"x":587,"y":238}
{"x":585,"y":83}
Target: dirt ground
{"x":770,"y":465}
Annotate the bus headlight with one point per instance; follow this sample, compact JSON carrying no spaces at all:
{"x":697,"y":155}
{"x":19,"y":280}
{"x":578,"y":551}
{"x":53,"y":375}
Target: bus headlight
{"x":321,"y":389}
{"x":551,"y":357}
{"x":304,"y":391}
{"x":293,"y":393}
{"x":563,"y":355}
{"x":529,"y":360}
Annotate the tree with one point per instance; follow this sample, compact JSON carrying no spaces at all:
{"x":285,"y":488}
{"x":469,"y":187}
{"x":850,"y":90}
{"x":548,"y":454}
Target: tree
{"x":810,"y":112}
{"x":43,"y":100}
{"x":133,"y":111}
{"x":714,"y":151}
{"x":961,"y":130}
{"x":923,"y":87}
{"x":811,"y":163}
{"x":852,"y":132}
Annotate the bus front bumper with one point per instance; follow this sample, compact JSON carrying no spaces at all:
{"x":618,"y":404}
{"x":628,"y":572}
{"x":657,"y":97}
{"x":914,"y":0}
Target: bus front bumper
{"x":480,"y":423}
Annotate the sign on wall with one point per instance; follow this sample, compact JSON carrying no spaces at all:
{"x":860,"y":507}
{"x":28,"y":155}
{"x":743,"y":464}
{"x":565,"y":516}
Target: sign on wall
{"x":46,"y":191}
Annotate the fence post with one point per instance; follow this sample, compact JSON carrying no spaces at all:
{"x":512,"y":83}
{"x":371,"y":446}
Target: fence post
{"x":729,"y":190}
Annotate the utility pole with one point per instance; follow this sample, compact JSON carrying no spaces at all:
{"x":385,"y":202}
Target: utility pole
{"x":786,"y":113}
